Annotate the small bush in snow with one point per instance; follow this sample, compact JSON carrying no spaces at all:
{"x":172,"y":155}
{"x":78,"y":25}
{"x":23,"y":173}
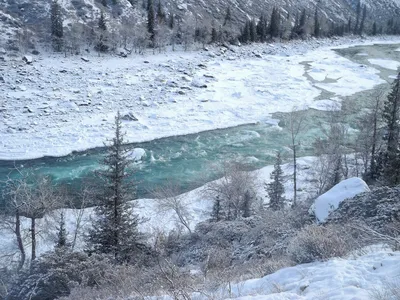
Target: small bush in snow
{"x":318,"y":243}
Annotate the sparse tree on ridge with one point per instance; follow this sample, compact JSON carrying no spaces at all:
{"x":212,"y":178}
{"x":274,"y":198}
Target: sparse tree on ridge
{"x":115,"y":229}
{"x":362,"y":23}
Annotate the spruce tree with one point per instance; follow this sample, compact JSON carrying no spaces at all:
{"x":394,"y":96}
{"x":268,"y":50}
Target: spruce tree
{"x":57,"y":32}
{"x":62,"y":233}
{"x":216,"y":214}
{"x":246,"y":205}
{"x":161,"y":17}
{"x":253,"y":31}
{"x":374,"y":29}
{"x":364,"y":15}
{"x":150,"y":19}
{"x":317,"y":25}
{"x":391,"y":117}
{"x":214,"y":35}
{"x":262,"y":28}
{"x":228,"y":16}
{"x":275,"y":189}
{"x":358,"y":12}
{"x":115,"y":229}
{"x":101,"y":44}
{"x":275,"y":23}
{"x":171,"y":21}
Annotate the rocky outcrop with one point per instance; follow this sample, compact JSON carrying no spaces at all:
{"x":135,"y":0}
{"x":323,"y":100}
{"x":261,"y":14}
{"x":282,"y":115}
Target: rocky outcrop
{"x":376,"y":208}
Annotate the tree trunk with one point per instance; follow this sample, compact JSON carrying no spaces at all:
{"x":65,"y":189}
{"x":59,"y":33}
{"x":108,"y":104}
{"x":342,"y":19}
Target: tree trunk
{"x":294,"y":176}
{"x":19,"y":239}
{"x":33,"y":238}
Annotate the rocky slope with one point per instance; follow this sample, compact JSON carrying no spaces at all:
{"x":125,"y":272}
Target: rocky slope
{"x":16,"y":13}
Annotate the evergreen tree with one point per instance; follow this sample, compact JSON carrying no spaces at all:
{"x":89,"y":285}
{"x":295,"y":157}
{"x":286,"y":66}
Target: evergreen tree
{"x":115,"y":229}
{"x":246,"y":205}
{"x":262,"y":28}
{"x":161,"y":17}
{"x":57,"y":32}
{"x":171,"y":21}
{"x":358,"y":12}
{"x":253,"y":31}
{"x":102,"y":22}
{"x":275,"y":189}
{"x":104,"y":3}
{"x":228,"y":16}
{"x":62,"y":233}
{"x":391,"y":117}
{"x":150,"y":19}
{"x":374,"y":29}
{"x":364,"y":15}
{"x":101,"y":45}
{"x":317,"y":25}
{"x":216,"y":214}
{"x":274,"y":28}
{"x":214,"y":35}
{"x":349,"y":26}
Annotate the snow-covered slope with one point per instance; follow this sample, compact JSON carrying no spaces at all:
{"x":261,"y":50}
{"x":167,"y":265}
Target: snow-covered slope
{"x":354,"y":278}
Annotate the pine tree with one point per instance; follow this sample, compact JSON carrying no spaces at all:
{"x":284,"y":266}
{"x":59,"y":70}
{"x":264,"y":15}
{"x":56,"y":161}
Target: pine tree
{"x":262,"y":29}
{"x":274,"y":29}
{"x":216,"y":214}
{"x":374,"y":29}
{"x":246,"y":205}
{"x":57,"y":32}
{"x":62,"y":233}
{"x":101,"y":44}
{"x":115,"y":230}
{"x":391,"y":117}
{"x":161,"y":17}
{"x":104,"y":3}
{"x":214,"y":35}
{"x":275,"y":189}
{"x":102,"y":22}
{"x":171,"y":21}
{"x":358,"y":12}
{"x":364,"y":15}
{"x":253,"y":31}
{"x":228,"y":16}
{"x":150,"y":19}
{"x":317,"y":26}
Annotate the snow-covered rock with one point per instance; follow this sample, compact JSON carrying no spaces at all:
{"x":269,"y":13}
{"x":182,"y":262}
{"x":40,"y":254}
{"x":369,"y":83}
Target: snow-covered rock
{"x":328,"y":202}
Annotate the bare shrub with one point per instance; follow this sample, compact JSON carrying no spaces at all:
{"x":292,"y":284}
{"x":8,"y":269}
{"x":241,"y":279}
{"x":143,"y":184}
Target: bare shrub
{"x":390,"y":290}
{"x":319,"y":243}
{"x":232,"y":189}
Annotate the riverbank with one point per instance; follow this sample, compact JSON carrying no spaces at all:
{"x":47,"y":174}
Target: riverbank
{"x":59,"y":105}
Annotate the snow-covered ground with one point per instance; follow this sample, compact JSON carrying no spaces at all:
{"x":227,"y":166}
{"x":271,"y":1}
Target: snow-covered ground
{"x":357,"y":277}
{"x":57,"y":105}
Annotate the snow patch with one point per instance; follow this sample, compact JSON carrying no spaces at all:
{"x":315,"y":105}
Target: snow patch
{"x":385,"y":63}
{"x":330,"y":201}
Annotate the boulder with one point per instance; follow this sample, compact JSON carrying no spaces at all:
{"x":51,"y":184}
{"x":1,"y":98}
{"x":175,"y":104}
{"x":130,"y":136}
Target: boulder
{"x":27,"y":59}
{"x":129,"y":117}
{"x":328,"y":202}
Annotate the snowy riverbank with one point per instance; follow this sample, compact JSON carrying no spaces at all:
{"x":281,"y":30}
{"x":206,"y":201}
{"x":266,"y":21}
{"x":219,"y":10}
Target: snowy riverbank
{"x":58,"y":105}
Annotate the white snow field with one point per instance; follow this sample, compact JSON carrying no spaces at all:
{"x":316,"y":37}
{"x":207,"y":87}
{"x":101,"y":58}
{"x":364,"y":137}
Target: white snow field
{"x":357,"y":277}
{"x":57,"y":105}
{"x":330,"y":200}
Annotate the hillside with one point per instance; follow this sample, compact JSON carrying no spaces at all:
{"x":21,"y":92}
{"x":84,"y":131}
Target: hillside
{"x":34,"y":15}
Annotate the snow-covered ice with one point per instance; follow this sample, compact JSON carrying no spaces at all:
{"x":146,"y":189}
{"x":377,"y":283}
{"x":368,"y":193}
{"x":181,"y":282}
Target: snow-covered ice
{"x":385,"y":63}
{"x":330,"y":201}
{"x":57,"y":105}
